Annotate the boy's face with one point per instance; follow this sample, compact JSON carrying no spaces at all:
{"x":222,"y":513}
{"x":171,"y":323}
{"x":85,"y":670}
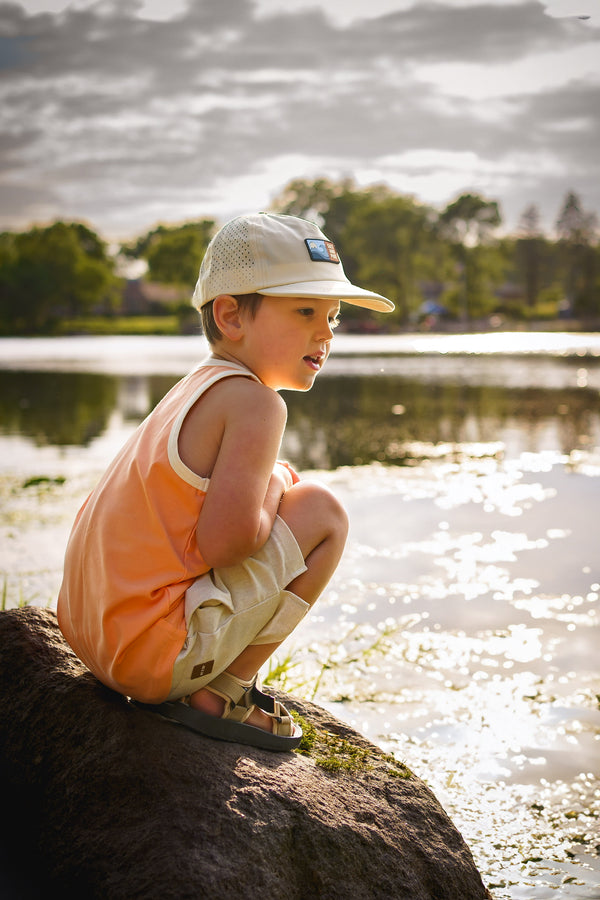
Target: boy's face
{"x":288,"y":340}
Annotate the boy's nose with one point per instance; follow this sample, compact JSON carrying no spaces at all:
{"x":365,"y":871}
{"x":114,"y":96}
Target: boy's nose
{"x":326,"y":330}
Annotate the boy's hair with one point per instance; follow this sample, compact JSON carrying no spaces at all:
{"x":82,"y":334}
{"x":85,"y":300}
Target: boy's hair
{"x":213,"y":334}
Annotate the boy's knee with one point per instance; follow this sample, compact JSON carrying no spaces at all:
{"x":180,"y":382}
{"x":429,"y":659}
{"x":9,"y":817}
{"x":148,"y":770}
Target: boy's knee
{"x":336,"y":512}
{"x":321,"y":505}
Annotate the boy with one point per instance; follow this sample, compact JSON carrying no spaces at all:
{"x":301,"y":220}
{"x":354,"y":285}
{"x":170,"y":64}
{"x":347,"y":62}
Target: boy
{"x":199,"y":552}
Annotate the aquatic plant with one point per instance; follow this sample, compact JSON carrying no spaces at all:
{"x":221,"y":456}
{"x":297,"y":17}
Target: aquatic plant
{"x":337,"y":754}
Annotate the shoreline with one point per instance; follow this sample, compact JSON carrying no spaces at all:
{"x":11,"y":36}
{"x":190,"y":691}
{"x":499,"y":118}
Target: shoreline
{"x":121,"y":354}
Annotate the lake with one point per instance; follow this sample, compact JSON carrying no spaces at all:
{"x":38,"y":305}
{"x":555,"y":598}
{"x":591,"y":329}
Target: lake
{"x":460,"y":631}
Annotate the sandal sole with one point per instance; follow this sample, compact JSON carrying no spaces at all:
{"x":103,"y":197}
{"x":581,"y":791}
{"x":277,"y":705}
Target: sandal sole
{"x":221,"y":729}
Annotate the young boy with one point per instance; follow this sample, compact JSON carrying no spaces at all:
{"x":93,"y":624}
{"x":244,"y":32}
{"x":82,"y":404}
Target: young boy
{"x":199,"y":552}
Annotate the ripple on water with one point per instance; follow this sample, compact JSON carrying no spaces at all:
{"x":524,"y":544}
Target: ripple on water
{"x":461,"y":634}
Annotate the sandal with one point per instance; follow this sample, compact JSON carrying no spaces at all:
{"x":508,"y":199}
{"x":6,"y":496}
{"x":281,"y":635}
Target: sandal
{"x":241,"y":697}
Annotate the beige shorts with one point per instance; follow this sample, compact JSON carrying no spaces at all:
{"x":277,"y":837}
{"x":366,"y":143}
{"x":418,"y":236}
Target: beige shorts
{"x":229,"y":609}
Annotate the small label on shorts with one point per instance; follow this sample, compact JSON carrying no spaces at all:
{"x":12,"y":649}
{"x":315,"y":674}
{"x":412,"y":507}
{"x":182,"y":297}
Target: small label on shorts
{"x":203,"y":669}
{"x":321,"y":251}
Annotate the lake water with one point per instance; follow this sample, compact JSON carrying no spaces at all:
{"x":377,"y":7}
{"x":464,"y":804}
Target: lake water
{"x":461,"y":629}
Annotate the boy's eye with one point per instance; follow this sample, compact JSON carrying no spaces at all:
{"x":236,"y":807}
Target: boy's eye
{"x":308,"y":311}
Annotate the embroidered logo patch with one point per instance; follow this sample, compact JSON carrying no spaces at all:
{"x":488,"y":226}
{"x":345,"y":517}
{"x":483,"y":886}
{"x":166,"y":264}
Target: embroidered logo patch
{"x":321,"y":251}
{"x":202,"y":669}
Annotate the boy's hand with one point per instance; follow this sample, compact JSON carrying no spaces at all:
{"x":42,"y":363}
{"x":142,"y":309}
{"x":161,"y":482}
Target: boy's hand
{"x":283,"y":471}
{"x":279,"y":482}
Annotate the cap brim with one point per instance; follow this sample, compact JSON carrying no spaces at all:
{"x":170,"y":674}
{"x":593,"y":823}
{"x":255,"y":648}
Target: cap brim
{"x":334,"y":290}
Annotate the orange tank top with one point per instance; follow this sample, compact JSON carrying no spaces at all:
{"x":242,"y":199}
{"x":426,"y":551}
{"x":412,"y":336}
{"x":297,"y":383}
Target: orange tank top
{"x":132,"y":552}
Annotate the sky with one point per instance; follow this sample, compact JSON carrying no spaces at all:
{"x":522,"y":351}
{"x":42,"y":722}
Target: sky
{"x":129,"y":113}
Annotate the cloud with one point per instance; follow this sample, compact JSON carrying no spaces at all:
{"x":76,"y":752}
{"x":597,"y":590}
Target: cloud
{"x":570,"y":8}
{"x":121,"y":119}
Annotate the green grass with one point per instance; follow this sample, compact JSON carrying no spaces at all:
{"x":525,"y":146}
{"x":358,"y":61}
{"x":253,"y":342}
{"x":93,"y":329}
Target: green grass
{"x":38,"y":480}
{"x":8,"y":603}
{"x":333,"y":753}
{"x":104,"y":325}
{"x":339,"y":755}
{"x":289,"y":673}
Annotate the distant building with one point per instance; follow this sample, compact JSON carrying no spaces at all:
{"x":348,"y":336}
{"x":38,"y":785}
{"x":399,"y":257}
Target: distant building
{"x":148,"y":298}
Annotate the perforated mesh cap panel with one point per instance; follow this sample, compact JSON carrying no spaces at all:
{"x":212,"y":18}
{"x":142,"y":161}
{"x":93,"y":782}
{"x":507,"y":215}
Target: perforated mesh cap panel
{"x":230,"y":267}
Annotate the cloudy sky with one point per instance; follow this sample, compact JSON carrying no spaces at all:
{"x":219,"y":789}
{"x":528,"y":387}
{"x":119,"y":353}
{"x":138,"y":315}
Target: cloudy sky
{"x":126,"y":113}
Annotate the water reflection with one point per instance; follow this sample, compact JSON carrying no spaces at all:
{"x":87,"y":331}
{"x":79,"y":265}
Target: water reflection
{"x":354,"y":420}
{"x":56,"y":408}
{"x":346,"y":420}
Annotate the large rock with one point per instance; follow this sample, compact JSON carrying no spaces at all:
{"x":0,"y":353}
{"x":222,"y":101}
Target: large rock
{"x":103,"y":800}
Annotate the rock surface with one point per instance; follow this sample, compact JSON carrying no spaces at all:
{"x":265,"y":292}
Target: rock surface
{"x":103,"y":800}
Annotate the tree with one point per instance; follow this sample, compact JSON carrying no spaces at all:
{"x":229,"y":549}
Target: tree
{"x":470,"y":219}
{"x":309,"y":199}
{"x":47,"y":273}
{"x":391,"y":244}
{"x":469,"y":223}
{"x":173,"y":253}
{"x":577,"y":232}
{"x":573,"y":224}
{"x":528,"y":252}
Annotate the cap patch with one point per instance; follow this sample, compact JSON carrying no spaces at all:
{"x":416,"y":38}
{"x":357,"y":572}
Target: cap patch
{"x":321,"y":251}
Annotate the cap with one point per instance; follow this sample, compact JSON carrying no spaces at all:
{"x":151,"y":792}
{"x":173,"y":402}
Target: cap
{"x":280,"y":256}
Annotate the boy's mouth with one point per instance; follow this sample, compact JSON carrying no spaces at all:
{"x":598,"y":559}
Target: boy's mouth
{"x":314,"y":362}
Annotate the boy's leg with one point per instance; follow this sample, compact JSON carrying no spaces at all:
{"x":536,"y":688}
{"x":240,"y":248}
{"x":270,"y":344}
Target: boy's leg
{"x":320,"y":525}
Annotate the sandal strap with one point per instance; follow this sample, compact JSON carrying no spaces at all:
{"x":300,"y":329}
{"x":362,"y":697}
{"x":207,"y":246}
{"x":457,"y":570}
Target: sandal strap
{"x":264,"y":701}
{"x":284,"y":726}
{"x":281,"y":723}
{"x":234,"y":691}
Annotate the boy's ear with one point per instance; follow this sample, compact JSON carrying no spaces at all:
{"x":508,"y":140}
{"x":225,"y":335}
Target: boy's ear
{"x":226,"y":313}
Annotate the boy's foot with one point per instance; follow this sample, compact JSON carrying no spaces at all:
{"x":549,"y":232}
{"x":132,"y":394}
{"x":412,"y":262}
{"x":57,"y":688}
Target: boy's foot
{"x":237,"y":706}
{"x":207,"y":701}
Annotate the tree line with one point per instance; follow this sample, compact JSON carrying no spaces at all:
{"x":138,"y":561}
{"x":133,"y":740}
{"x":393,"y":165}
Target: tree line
{"x":451,"y":263}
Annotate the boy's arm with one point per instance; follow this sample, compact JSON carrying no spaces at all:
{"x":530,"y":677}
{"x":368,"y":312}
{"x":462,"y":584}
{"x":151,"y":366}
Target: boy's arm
{"x":245,"y":484}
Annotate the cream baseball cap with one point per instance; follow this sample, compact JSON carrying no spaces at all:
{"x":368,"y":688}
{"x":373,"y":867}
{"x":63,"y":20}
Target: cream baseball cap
{"x":280,"y":256}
